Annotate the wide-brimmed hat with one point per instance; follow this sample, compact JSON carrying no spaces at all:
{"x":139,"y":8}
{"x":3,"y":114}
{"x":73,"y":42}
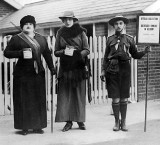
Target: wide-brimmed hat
{"x":27,"y":19}
{"x":68,"y":14}
{"x":117,"y":18}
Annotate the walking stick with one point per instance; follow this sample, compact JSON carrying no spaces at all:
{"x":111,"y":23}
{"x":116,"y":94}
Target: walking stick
{"x":52,"y":104}
{"x":145,"y":122}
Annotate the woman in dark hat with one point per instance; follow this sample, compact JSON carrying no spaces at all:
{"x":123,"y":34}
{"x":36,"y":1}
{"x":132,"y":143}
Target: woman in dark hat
{"x":29,"y":96}
{"x":116,"y":69}
{"x":72,"y":48}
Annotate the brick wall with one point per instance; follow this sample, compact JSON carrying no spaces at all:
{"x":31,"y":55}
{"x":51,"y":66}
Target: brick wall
{"x":5,"y":9}
{"x":154,"y":69}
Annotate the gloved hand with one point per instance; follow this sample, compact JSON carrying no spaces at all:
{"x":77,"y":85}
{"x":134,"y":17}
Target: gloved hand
{"x":102,"y":77}
{"x":53,"y":71}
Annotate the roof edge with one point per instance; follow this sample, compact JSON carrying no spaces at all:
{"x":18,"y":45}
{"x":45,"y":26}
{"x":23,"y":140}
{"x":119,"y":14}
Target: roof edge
{"x":83,"y":21}
{"x":14,"y":4}
{"x":152,"y":8}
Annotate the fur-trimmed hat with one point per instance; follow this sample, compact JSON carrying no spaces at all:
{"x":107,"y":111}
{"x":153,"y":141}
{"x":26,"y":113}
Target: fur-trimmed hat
{"x":117,"y":18}
{"x":27,"y":19}
{"x":68,"y":14}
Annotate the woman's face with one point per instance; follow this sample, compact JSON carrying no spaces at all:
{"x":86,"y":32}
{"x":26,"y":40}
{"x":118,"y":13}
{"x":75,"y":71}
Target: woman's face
{"x":68,"y":22}
{"x":28,"y":28}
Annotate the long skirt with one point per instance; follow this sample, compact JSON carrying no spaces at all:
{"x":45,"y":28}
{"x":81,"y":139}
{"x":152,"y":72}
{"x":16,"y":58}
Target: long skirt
{"x":29,"y":100}
{"x":71,"y":102}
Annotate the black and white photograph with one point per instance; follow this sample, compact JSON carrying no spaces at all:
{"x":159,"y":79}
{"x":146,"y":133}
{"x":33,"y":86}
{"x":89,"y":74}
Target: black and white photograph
{"x":79,"y":72}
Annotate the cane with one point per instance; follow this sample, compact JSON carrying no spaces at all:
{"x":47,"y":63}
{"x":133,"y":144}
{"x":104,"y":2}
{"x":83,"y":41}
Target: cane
{"x":145,"y":122}
{"x":52,"y":104}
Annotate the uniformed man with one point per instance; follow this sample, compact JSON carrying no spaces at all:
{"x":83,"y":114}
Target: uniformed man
{"x":116,"y":68}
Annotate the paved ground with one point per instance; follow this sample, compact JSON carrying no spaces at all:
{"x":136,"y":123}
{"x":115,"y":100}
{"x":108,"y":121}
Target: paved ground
{"x":99,"y":125}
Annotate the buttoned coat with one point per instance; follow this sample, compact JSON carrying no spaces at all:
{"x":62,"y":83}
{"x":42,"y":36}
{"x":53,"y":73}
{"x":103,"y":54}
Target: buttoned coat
{"x":29,"y":94}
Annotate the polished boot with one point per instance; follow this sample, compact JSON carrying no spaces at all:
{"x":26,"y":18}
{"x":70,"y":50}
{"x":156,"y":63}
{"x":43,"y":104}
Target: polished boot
{"x":115,"y":107}
{"x":123,"y":110}
{"x":117,"y":125}
{"x":81,"y":125}
{"x":38,"y":131}
{"x":68,"y":126}
{"x":123,"y":125}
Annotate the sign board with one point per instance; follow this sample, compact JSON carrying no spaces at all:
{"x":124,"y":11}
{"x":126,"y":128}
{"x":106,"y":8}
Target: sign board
{"x":148,"y":27}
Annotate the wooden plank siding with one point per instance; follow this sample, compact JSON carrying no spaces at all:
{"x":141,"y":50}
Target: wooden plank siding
{"x":5,"y":9}
{"x":101,"y":29}
{"x":87,"y":11}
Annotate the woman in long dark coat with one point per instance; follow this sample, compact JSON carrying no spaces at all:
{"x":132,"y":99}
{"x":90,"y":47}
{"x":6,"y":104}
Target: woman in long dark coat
{"x":29,"y":94}
{"x":72,"y":48}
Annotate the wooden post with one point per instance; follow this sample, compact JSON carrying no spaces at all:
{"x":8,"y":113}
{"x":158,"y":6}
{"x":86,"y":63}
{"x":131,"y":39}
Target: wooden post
{"x":2,"y":112}
{"x":52,"y":105}
{"x":145,"y":122}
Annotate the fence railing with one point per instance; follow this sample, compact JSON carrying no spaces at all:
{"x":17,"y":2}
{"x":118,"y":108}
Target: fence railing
{"x":98,"y":89}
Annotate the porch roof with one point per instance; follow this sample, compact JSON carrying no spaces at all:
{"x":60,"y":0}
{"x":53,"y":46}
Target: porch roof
{"x":88,"y":11}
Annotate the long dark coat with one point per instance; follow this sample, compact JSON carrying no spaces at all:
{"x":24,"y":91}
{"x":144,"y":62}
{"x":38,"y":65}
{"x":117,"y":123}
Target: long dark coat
{"x":29,"y":94}
{"x":71,"y":99}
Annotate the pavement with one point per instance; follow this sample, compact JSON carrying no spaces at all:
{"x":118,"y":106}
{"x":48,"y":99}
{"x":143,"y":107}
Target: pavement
{"x":99,"y":124}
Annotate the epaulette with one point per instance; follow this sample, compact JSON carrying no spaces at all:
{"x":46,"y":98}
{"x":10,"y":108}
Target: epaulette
{"x":129,"y":35}
{"x":111,"y":37}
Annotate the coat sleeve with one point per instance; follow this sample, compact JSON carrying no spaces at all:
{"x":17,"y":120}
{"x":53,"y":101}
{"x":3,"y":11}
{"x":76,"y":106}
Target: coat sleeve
{"x":134,"y":52}
{"x":85,"y":47}
{"x":47,"y":56}
{"x":105,"y":59}
{"x":58,"y":49}
{"x":12,"y":51}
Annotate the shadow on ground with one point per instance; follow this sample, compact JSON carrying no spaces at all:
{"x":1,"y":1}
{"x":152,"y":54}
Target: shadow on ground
{"x":137,"y":136}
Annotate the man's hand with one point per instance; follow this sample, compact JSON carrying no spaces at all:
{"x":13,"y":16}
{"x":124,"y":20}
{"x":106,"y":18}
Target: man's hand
{"x":147,"y":49}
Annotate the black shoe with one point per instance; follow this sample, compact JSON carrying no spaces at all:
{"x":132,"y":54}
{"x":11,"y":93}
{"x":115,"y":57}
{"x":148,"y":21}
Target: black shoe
{"x":67,"y":127}
{"x":39,"y":131}
{"x":24,"y":132}
{"x":81,"y":125}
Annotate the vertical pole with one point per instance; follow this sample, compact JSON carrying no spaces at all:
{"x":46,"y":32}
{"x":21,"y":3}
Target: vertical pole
{"x":91,"y":60}
{"x":135,"y":76}
{"x":95,"y":62}
{"x":2,"y":112}
{"x":145,"y":122}
{"x":52,"y":104}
